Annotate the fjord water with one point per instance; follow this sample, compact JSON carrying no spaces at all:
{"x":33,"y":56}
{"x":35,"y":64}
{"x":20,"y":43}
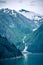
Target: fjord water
{"x":27,"y":59}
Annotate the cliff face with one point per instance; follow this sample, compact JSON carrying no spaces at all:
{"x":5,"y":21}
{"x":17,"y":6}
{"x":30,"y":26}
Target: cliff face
{"x":8,"y":50}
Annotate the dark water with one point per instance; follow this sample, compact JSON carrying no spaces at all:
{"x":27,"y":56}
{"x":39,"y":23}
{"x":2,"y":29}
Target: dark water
{"x":28,"y":59}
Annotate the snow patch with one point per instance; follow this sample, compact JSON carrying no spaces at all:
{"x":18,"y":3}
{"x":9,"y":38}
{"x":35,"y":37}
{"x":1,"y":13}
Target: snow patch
{"x":11,"y":25}
{"x":24,"y":39}
{"x":35,"y":29}
{"x":37,"y":18}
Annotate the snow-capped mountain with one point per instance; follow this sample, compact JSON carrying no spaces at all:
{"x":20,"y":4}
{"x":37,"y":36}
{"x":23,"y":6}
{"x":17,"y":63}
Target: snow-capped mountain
{"x":14,"y":26}
{"x":31,"y":15}
{"x":36,"y":18}
{"x":9,"y":11}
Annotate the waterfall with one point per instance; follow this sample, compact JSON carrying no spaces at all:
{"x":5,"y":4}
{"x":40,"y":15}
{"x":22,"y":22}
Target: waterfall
{"x":25,"y":49}
{"x":25,"y":52}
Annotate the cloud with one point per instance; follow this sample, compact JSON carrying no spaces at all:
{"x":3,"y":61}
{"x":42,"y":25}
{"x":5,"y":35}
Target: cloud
{"x":36,"y":2}
{"x":2,"y":1}
{"x":32,"y":5}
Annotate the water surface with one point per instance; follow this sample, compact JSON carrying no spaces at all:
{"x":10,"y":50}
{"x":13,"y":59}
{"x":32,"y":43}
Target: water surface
{"x":28,"y":59}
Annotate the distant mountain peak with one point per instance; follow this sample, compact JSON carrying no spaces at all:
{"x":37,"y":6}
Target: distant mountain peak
{"x":8,"y":11}
{"x":30,"y":14}
{"x":36,"y":18}
{"x":23,"y":10}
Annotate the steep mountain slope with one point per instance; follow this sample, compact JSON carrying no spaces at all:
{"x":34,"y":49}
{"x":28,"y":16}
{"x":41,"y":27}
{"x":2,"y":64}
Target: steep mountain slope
{"x":8,"y":50}
{"x":14,"y":26}
{"x":37,"y":41}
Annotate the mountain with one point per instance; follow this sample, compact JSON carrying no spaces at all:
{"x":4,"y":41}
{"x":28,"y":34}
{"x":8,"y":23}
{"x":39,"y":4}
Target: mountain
{"x":23,"y":10}
{"x":36,"y":18}
{"x":31,"y":15}
{"x":8,"y":50}
{"x":36,"y":41}
{"x":14,"y":26}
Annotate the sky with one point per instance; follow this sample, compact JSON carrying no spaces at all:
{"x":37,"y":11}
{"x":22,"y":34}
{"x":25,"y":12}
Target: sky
{"x":30,"y":5}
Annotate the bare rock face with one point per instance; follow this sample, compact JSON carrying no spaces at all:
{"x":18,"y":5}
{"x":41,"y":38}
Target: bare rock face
{"x":8,"y":50}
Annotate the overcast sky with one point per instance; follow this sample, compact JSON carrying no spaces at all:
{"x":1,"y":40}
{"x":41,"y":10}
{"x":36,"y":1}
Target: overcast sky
{"x":31,"y":5}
